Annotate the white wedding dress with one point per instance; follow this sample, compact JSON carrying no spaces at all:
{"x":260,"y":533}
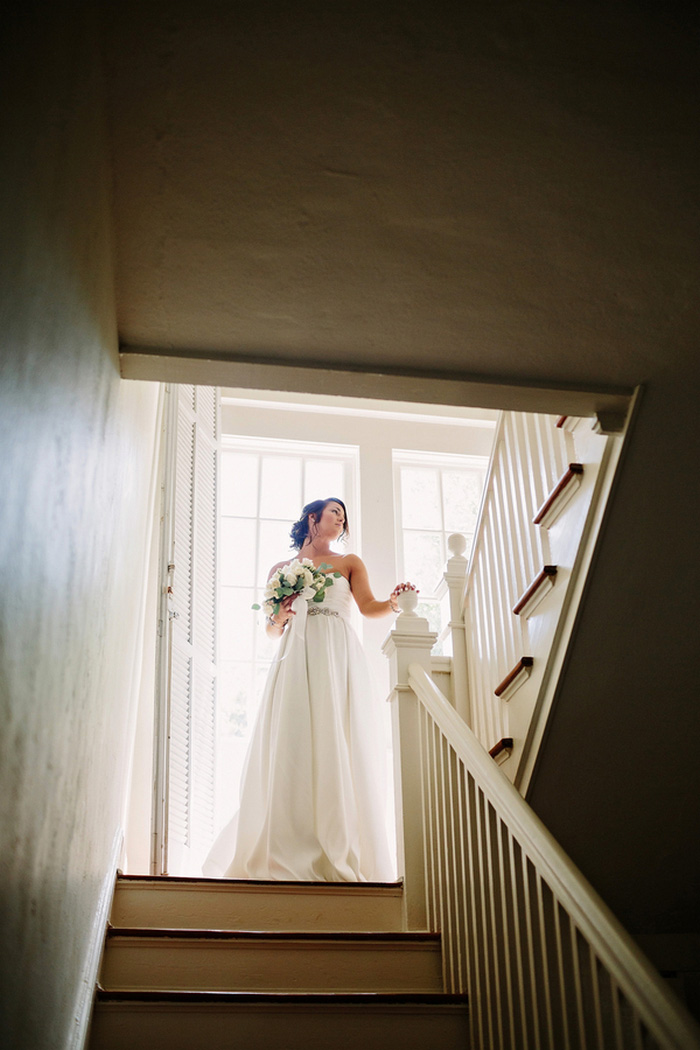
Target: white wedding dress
{"x":312,"y":802}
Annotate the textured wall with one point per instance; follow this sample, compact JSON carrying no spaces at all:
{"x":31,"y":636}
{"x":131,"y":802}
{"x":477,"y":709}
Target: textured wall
{"x":618,"y":779}
{"x":74,"y":471}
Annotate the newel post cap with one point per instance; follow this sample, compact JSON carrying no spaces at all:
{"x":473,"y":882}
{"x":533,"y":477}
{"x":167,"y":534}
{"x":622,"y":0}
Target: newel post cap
{"x":407,"y":602}
{"x":456,"y":545}
{"x":410,"y":630}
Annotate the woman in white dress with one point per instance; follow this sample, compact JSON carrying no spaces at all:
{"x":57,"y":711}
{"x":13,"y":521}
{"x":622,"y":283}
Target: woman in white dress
{"x":312,"y":798}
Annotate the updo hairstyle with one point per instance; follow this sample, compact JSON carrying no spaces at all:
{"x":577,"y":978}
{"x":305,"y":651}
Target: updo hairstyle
{"x":301,"y":528}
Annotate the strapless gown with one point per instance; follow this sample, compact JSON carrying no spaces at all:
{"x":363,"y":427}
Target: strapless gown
{"x":312,"y":804}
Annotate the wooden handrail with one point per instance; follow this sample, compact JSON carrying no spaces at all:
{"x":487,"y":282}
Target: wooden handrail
{"x":547,"y":573}
{"x":524,"y":663}
{"x":575,"y":470}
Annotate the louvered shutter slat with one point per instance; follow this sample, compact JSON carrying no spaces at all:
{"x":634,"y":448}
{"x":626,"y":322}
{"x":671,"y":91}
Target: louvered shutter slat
{"x":191,"y":702}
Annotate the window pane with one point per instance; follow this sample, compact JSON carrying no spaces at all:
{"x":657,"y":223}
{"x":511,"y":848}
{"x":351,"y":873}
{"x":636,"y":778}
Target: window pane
{"x":239,"y":483}
{"x":424,"y":561}
{"x":281,"y":487}
{"x":323,"y":478}
{"x":433,"y":614}
{"x":462,"y":495}
{"x":266,"y":648}
{"x":234,"y":691}
{"x":237,"y":621}
{"x":232,"y":727}
{"x":420,"y":498}
{"x":232,"y":732}
{"x":261,"y":672}
{"x":273,"y":547}
{"x":237,"y":552}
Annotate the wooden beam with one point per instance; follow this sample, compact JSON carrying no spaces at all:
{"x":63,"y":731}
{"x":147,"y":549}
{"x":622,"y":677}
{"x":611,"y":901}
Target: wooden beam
{"x":155,"y":364}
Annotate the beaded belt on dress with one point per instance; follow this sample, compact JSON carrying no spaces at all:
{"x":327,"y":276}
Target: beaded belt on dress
{"x":315,"y":611}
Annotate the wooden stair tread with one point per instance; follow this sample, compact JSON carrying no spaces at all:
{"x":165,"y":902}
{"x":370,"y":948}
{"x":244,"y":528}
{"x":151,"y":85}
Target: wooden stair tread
{"x":559,"y":495}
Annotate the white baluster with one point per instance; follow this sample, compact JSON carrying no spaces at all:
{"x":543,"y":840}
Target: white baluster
{"x":410,"y":642}
{"x":454,"y":576}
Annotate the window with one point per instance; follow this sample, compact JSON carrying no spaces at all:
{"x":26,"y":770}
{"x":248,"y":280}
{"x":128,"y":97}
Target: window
{"x":436,"y":495}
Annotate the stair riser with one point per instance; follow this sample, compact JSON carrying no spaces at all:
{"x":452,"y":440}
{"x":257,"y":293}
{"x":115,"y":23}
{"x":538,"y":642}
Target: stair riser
{"x":149,"y":1027}
{"x":229,"y":908}
{"x":155,"y":964}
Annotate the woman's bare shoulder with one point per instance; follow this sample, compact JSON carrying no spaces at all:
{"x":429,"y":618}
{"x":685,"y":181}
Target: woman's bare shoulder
{"x":353,"y":562}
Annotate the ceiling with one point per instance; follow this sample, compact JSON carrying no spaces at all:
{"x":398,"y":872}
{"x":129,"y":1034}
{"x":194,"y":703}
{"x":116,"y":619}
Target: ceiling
{"x":503,"y":189}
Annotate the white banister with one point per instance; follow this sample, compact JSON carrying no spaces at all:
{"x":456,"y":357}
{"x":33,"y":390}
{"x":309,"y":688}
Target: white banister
{"x":543,"y":960}
{"x":453,"y":581}
{"x":409,"y":642}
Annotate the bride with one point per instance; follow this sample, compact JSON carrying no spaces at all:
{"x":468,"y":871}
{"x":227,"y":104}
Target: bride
{"x":312,"y":800}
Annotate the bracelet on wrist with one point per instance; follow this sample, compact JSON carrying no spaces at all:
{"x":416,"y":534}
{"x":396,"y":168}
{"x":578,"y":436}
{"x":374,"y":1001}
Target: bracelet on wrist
{"x":274,"y":623}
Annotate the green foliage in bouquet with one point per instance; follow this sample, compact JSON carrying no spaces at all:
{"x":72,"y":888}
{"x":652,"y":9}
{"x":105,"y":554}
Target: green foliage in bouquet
{"x":298,"y":578}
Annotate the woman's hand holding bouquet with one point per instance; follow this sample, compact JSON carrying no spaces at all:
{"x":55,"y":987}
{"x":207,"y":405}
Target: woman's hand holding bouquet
{"x":298,"y":579}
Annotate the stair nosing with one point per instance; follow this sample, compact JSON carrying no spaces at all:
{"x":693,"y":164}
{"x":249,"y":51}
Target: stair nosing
{"x":267,"y":997}
{"x":284,"y":884}
{"x":398,"y":937}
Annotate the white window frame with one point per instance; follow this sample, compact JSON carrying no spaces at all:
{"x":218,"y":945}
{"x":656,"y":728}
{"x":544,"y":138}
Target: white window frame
{"x":438,"y":460}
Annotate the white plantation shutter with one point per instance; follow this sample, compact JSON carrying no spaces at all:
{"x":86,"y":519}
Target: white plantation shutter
{"x":186,"y":711}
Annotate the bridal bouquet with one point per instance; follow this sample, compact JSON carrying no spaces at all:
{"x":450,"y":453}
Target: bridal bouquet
{"x":300,"y":578}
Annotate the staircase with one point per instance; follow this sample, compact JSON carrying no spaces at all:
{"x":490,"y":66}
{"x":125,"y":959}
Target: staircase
{"x":261,"y":965}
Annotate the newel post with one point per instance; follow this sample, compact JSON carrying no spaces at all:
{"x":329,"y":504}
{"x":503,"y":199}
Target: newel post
{"x":410,"y":642}
{"x":455,"y":576}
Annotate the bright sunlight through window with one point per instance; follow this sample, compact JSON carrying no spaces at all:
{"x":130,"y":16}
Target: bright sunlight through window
{"x":435,"y":496}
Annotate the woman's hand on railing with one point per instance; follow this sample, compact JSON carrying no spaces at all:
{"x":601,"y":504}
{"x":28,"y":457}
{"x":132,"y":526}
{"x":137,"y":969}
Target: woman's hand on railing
{"x":400,"y":588}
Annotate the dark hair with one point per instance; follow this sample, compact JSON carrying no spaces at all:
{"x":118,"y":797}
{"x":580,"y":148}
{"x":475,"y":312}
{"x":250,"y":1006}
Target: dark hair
{"x":300,"y":528}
